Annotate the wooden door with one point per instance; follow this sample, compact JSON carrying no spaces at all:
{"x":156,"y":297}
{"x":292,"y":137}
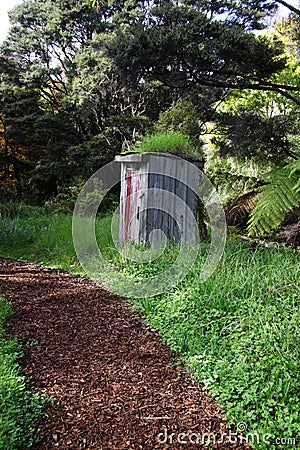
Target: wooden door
{"x":133,"y":194}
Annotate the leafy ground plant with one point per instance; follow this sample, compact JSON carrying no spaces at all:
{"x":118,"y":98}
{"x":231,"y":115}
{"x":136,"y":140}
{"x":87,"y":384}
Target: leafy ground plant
{"x":20,"y":409}
{"x":239,"y":334}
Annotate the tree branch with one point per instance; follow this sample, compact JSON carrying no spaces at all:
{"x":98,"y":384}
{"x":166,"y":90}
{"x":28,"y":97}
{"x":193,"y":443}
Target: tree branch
{"x":290,"y":7}
{"x":259,"y":86}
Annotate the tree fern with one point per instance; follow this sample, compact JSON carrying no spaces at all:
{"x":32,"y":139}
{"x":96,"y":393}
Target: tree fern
{"x":280,"y":193}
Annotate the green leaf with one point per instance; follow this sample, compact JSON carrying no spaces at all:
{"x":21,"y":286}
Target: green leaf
{"x":278,"y":195}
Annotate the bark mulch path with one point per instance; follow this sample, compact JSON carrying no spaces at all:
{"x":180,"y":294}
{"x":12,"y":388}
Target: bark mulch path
{"x":114,"y":382}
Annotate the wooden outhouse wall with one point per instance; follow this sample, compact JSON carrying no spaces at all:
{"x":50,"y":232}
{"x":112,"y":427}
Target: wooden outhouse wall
{"x":146,"y":203}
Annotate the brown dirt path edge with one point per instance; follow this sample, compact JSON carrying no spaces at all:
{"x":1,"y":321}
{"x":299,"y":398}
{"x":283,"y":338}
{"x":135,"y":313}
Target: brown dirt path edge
{"x":114,"y":382}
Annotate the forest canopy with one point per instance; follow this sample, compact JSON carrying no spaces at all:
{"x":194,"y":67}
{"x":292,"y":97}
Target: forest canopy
{"x":84,"y":80}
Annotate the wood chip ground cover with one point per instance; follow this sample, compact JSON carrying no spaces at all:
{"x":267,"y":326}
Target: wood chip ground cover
{"x":115,"y":383}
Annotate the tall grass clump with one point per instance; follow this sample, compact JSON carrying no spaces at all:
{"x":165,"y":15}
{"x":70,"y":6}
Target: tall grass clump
{"x":20,"y":409}
{"x":173,"y":142}
{"x":29,"y":233}
{"x":12,"y":210}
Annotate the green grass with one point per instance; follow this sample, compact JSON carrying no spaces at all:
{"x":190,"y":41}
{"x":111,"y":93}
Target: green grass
{"x":238,"y":332}
{"x":169,"y":142}
{"x":31,"y":234}
{"x":20,"y":409}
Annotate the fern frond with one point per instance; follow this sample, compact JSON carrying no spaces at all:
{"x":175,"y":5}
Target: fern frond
{"x":294,"y":168}
{"x":273,"y":200}
{"x":297,"y":187}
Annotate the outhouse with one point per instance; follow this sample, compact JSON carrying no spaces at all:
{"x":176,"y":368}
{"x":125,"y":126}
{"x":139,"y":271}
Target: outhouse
{"x":158,"y":198}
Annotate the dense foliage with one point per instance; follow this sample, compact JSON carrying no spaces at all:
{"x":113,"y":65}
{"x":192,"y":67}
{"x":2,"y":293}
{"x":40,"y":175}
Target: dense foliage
{"x":81,"y":82}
